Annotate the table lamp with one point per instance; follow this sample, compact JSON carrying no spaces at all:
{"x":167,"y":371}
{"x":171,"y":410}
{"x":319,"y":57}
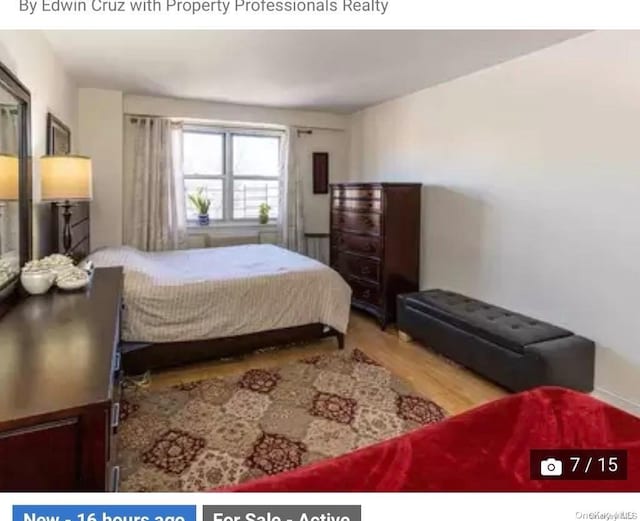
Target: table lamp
{"x":65,"y":180}
{"x":8,"y":187}
{"x":8,"y":177}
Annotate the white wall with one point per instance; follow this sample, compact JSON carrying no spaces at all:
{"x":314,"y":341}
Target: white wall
{"x":101,"y":123}
{"x":28,"y":55}
{"x":101,"y":138}
{"x":532,"y":188}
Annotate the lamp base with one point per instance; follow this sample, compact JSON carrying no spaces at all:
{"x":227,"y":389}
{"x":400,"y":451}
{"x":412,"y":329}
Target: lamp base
{"x":67,"y":239}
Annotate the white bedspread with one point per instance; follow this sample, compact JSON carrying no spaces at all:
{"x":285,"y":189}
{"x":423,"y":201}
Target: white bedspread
{"x":218,"y":292}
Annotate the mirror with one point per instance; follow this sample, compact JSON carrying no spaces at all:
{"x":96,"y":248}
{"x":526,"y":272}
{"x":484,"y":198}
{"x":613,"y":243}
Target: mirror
{"x":9,"y":210}
{"x":15,"y":198}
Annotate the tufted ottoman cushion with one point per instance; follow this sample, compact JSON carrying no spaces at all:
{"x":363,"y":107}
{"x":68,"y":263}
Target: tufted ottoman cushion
{"x":498,"y":325}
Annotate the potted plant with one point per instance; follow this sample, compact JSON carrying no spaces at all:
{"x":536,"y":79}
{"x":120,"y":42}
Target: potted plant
{"x":201,"y":202}
{"x":264,"y":213}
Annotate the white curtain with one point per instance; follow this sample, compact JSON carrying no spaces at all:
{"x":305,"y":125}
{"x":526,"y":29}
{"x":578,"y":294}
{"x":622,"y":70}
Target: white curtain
{"x":154,"y":217}
{"x":291,"y":221}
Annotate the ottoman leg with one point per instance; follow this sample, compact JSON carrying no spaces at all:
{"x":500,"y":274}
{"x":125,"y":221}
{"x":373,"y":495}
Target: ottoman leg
{"x":404,"y":337}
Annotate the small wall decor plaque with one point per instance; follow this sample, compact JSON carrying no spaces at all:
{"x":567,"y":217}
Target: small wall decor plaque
{"x":320,"y":172}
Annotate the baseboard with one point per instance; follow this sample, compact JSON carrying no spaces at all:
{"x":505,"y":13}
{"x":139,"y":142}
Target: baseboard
{"x":617,"y":401}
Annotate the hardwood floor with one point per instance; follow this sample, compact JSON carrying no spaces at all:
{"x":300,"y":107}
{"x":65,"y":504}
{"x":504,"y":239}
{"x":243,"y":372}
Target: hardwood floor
{"x":431,"y":375}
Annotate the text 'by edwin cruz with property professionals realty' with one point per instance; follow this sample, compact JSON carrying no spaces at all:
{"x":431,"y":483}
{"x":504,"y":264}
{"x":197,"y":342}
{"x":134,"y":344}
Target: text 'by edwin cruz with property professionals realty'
{"x":196,"y":7}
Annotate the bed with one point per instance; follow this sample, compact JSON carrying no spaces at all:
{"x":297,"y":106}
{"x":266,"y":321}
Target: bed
{"x":484,"y":450}
{"x":189,"y":305}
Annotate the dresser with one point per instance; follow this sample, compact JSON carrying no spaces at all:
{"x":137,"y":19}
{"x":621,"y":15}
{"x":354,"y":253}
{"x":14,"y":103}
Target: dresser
{"x":59,"y":389}
{"x":375,"y":242}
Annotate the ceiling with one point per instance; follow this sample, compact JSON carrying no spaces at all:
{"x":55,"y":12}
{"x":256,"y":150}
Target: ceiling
{"x":338,"y":71}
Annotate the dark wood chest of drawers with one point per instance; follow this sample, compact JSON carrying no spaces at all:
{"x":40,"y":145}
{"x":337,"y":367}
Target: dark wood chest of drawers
{"x":59,"y":389}
{"x":375,"y":242}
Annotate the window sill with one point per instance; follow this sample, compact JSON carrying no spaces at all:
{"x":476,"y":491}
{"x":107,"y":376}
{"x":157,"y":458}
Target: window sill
{"x":231,"y":228}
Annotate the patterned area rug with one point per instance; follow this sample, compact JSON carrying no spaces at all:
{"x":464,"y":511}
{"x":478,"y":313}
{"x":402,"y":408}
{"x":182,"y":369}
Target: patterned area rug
{"x":222,"y":431}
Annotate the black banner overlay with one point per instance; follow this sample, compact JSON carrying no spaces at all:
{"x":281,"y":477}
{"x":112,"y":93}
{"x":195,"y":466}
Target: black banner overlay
{"x":578,"y":464}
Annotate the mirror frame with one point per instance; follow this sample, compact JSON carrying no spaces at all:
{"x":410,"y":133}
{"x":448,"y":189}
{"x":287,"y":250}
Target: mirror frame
{"x":13,"y":86}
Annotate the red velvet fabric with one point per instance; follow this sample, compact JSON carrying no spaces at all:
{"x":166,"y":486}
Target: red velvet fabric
{"x":485,"y":449}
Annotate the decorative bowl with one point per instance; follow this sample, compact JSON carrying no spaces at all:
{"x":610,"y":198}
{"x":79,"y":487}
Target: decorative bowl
{"x":72,"y":285}
{"x":72,"y":279}
{"x":37,"y":282}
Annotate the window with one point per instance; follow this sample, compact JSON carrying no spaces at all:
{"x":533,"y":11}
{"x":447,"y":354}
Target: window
{"x":238,"y":170}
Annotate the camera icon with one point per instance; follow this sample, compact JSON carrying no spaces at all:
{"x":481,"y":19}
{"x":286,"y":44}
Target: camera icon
{"x":551,"y":467}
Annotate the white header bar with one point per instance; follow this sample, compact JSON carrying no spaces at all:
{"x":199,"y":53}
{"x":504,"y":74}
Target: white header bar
{"x":319,"y":14}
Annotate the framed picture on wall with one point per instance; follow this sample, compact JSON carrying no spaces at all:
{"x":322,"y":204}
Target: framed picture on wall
{"x":58,"y":137}
{"x":320,"y":172}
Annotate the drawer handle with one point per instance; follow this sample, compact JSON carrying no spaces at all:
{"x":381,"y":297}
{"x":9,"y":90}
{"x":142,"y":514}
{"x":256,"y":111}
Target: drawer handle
{"x":115,"y":479}
{"x":366,"y":293}
{"x":115,"y":415}
{"x":117,"y":362}
{"x":365,"y":270}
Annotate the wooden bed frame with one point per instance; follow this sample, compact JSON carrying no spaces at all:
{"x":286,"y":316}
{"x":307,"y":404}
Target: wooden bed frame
{"x":140,"y":357}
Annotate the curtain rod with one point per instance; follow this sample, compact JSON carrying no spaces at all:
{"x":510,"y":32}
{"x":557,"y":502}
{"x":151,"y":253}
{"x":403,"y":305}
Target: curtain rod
{"x":301,"y":129}
{"x":145,"y":116}
{"x":309,"y":129}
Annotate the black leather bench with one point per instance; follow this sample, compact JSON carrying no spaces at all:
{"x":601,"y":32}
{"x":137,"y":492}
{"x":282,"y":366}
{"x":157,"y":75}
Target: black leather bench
{"x":513,"y":350}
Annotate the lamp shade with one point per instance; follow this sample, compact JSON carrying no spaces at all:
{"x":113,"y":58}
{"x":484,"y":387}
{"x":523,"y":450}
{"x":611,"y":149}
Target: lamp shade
{"x":8,"y":177}
{"x":65,"y":178}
